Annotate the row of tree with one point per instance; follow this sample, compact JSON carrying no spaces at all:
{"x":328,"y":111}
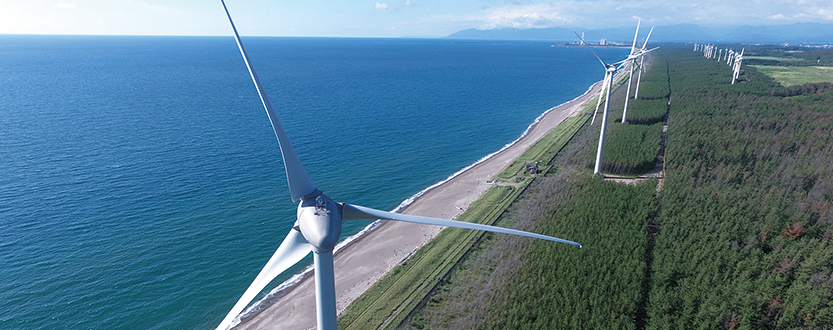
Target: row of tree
{"x":745,"y":222}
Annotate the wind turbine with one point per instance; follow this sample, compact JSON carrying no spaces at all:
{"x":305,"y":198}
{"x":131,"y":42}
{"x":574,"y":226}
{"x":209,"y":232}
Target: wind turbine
{"x":318,"y":224}
{"x":610,"y":70}
{"x":738,"y":63}
{"x":641,"y":64}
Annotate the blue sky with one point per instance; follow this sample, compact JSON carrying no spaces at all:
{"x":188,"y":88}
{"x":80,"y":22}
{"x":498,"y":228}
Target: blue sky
{"x":384,"y":18}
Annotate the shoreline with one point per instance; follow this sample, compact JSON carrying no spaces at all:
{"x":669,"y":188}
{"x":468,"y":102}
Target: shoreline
{"x":365,"y":257}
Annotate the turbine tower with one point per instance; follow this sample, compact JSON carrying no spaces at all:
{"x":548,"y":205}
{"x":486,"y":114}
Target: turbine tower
{"x":318,"y":225}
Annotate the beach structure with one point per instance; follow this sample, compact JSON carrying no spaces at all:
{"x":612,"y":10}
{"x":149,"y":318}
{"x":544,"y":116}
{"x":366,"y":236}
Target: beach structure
{"x":319,"y":220}
{"x":532,"y":168}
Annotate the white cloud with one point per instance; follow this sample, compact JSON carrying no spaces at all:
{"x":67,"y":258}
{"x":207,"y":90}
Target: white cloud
{"x":522,"y":16}
{"x":407,"y":3}
{"x":64,"y":5}
{"x":381,"y":6}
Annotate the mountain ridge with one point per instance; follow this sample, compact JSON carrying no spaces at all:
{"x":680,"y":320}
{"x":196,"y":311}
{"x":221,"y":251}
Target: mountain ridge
{"x":797,"y":33}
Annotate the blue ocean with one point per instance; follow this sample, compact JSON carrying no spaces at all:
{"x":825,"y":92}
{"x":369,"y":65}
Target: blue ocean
{"x":141,"y":185}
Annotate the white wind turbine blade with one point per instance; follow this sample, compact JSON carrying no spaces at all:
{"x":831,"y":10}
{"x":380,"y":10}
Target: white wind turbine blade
{"x":641,"y":53}
{"x":291,"y":251}
{"x":356,"y":212}
{"x":633,"y":47}
{"x":646,"y":39}
{"x":299,"y":181}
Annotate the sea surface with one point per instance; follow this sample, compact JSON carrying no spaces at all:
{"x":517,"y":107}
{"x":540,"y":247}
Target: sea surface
{"x":141,"y":185}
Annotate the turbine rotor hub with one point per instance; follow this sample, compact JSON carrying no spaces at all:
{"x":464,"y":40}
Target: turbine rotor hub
{"x":319,"y":220}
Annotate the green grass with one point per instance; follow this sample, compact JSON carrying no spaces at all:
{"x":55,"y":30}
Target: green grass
{"x":391,"y":299}
{"x":797,"y":75}
{"x":773,"y":58}
{"x":543,"y":150}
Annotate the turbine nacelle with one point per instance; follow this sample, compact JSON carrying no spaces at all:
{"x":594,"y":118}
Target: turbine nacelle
{"x":319,"y":220}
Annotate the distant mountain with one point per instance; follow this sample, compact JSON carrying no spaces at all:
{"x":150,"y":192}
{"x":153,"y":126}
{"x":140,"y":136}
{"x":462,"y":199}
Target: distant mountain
{"x":806,"y":33}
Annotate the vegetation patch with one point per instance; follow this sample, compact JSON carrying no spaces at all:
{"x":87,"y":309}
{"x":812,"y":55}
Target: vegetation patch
{"x":516,"y":283}
{"x":391,"y":299}
{"x":631,"y":149}
{"x":597,"y":286}
{"x":797,"y":75}
{"x":647,"y":111}
{"x":771,"y":58}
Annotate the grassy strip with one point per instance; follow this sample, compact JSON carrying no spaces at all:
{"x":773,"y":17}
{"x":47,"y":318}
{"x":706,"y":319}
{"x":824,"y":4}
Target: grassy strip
{"x":797,"y":75}
{"x":543,"y":150}
{"x":772,"y":58}
{"x":391,"y":299}
{"x":647,"y":112}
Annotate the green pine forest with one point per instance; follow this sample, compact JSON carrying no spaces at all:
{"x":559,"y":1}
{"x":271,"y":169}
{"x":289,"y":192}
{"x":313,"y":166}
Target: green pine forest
{"x":737,"y":235}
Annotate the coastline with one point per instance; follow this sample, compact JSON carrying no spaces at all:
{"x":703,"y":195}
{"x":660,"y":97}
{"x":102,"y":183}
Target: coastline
{"x":365,"y":257}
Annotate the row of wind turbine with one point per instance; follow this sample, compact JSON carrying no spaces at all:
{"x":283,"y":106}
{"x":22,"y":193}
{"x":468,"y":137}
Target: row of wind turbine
{"x":732,"y":58}
{"x":607,"y":84}
{"x":318,"y":223}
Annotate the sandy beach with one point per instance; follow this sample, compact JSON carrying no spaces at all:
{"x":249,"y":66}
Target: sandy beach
{"x":364,"y":261}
